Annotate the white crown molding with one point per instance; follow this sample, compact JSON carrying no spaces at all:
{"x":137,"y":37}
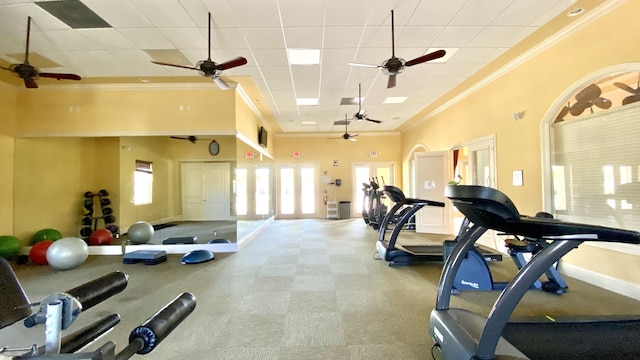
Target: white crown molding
{"x":124,"y":133}
{"x":332,"y":134}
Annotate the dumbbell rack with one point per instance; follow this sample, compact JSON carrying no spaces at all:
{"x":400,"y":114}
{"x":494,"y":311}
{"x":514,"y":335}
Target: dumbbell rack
{"x":90,"y":221}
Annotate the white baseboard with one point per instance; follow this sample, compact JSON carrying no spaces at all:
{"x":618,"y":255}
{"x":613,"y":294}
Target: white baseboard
{"x":245,"y":239}
{"x":607,"y":282}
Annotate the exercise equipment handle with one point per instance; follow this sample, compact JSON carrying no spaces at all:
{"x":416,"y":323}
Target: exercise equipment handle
{"x":144,"y":338}
{"x":100,"y":289}
{"x":81,"y":338}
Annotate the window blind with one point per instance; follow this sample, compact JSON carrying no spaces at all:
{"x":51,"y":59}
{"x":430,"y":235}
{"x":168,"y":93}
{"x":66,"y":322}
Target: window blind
{"x":596,"y":168}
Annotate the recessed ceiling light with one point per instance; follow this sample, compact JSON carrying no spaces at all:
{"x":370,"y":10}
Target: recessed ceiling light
{"x":446,"y":57}
{"x":144,"y":80}
{"x":395,"y":100}
{"x":307,"y":101}
{"x":308,"y":123}
{"x":575,"y":12}
{"x":303,"y":56}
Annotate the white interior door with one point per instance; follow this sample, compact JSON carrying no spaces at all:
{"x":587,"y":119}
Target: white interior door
{"x":206,"y":192}
{"x":431,"y":171}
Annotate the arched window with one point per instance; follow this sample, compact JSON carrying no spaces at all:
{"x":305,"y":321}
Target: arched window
{"x":592,"y":152}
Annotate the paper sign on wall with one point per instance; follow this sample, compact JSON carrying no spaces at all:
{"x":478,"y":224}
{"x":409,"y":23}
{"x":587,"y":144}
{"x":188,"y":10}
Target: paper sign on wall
{"x":429,"y":184}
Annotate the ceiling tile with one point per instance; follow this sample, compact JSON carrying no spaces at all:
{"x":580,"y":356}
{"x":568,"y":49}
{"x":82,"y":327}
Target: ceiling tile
{"x":264,"y":38}
{"x":436,"y":12}
{"x":170,"y":14}
{"x":186,"y":38}
{"x":302,"y":12}
{"x":494,"y":36}
{"x":479,"y":12}
{"x":148,"y":38}
{"x":107,"y":39}
{"x":119,"y":13}
{"x":523,"y":13}
{"x":456,"y":36}
{"x":419,"y":36}
{"x":350,"y":12}
{"x":251,"y":13}
{"x":303,"y":37}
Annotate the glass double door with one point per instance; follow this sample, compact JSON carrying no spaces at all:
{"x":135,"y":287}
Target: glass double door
{"x":297,"y":191}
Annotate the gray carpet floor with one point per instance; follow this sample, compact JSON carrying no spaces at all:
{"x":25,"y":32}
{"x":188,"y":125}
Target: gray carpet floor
{"x":302,"y":289}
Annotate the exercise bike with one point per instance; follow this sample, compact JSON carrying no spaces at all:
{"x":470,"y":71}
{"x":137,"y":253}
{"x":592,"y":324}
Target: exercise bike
{"x":474,"y":273}
{"x":59,"y":310}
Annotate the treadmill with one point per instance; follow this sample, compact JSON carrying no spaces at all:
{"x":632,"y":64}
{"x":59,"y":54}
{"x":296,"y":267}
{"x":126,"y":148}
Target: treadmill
{"x":461,"y":334}
{"x":394,"y":221}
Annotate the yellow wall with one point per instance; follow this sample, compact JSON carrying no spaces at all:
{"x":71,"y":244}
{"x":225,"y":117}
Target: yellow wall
{"x":50,"y":177}
{"x":7,"y":129}
{"x":248,"y":123}
{"x":532,"y":87}
{"x":120,"y":111}
{"x":324,"y":151}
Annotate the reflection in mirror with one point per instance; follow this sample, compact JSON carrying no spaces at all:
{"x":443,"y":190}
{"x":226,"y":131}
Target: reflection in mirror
{"x":253,"y":186}
{"x":52,"y":176}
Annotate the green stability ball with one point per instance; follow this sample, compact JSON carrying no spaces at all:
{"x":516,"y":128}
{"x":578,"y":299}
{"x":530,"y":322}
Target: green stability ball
{"x":46,"y":234}
{"x":9,"y":246}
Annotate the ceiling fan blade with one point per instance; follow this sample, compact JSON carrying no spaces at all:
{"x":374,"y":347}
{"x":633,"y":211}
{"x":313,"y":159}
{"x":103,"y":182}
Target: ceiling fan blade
{"x":392,"y":81}
{"x":428,"y":57}
{"x":239,"y":61}
{"x":364,"y":65}
{"x":59,"y":76}
{"x":578,"y":108}
{"x":373,"y":121}
{"x":30,"y":83}
{"x":174,"y":65}
{"x":221,"y":83}
{"x":602,"y":103}
{"x":631,"y":99}
{"x":353,"y":135}
{"x":626,"y":87}
{"x":5,"y":68}
{"x":589,"y":93}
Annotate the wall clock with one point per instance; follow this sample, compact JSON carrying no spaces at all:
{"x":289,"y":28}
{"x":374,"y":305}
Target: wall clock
{"x":214,"y":148}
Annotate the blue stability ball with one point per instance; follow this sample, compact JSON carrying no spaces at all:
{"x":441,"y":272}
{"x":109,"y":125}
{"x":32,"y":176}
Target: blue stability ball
{"x":140,"y":233}
{"x":67,"y":253}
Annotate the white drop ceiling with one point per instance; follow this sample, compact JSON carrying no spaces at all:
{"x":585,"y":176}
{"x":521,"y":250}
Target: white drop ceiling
{"x":261,"y":30}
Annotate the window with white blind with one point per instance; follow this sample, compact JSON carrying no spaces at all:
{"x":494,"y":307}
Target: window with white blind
{"x":595,"y":168}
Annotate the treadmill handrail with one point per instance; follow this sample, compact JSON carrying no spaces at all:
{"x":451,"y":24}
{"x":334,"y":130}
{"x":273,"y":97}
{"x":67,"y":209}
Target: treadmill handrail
{"x":492,"y":209}
{"x":397,"y":196}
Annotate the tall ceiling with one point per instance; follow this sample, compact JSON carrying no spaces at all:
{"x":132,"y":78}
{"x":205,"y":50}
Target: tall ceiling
{"x":473,"y":32}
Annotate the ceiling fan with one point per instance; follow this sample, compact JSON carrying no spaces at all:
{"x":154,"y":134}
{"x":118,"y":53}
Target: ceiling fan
{"x":636,"y":92}
{"x":362,"y":114}
{"x":30,"y":73}
{"x":210,"y":69}
{"x":587,"y":98}
{"x":346,"y":135}
{"x":191,"y":138}
{"x":396,"y":65}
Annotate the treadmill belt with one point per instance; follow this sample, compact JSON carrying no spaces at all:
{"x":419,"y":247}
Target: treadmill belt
{"x":576,"y":340}
{"x":436,"y":251}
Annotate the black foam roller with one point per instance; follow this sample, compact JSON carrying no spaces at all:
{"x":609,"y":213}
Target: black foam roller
{"x":100,"y":289}
{"x":158,"y":326}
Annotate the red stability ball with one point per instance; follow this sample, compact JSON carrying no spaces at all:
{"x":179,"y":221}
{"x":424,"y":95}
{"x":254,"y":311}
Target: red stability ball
{"x":38,"y":252}
{"x":101,"y":237}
